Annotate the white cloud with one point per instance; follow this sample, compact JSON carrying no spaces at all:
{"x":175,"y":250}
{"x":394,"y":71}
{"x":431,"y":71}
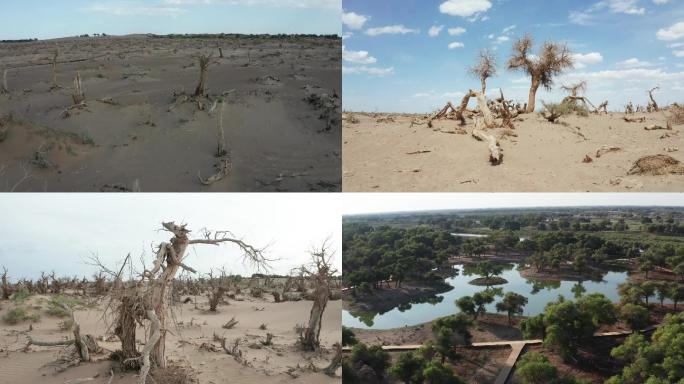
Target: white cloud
{"x":625,"y":6}
{"x":347,"y":35}
{"x":587,"y":16}
{"x":390,"y":30}
{"x":508,"y":29}
{"x":502,"y":39}
{"x":357,"y":57}
{"x":372,"y":71}
{"x":435,"y":30}
{"x":336,"y":4}
{"x":634,"y":63}
{"x":675,"y":45}
{"x":584,"y":59}
{"x":456,"y":44}
{"x":354,"y":20}
{"x":134,"y":8}
{"x":675,"y":32}
{"x":659,"y":2}
{"x":678,"y":53}
{"x":464,"y":8}
{"x":456,"y":31}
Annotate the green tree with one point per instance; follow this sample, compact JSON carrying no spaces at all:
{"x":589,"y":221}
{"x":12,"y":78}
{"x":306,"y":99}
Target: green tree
{"x":535,"y":368}
{"x":439,"y":373}
{"x":374,"y":357}
{"x":409,"y":368}
{"x":578,"y":290}
{"x":599,"y":308}
{"x":488,"y":270}
{"x":467,"y":306}
{"x":481,"y":299}
{"x":348,"y":337}
{"x":676,"y":293}
{"x":659,"y":361}
{"x":635,"y":316}
{"x":447,"y":331}
{"x":512,"y":303}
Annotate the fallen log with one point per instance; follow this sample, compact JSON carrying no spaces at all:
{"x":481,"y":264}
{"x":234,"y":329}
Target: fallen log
{"x":495,"y":152}
{"x":654,"y":127}
{"x":634,"y":120}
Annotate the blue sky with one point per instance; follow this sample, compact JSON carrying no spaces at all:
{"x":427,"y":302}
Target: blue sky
{"x":44,"y":19}
{"x":413,"y":55}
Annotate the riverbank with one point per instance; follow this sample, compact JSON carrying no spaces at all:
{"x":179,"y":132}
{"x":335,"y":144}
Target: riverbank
{"x":488,"y":327}
{"x":384,"y":299}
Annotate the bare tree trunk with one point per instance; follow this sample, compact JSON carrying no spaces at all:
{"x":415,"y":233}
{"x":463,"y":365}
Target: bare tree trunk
{"x":4,"y":89}
{"x":533,"y":95}
{"x":321,"y":295}
{"x":204,"y":65}
{"x":78,"y":95}
{"x":54,"y":68}
{"x":482,"y":105}
{"x":221,"y":139}
{"x":653,"y":105}
{"x":483,"y":81}
{"x":154,"y":340}
{"x":495,"y":153}
{"x":6,"y":289}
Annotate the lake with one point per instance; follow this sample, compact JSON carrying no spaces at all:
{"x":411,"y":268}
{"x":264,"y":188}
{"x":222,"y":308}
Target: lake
{"x":538,"y":293}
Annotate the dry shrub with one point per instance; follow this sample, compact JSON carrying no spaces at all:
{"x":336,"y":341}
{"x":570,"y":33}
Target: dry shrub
{"x":676,"y":114}
{"x":17,"y":315}
{"x":174,"y":374}
{"x":656,"y":165}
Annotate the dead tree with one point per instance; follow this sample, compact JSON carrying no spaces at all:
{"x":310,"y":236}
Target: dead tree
{"x":484,"y":69}
{"x":320,"y":272}
{"x":652,"y":105}
{"x":204,"y":62}
{"x":220,"y":138}
{"x":54,"y":68}
{"x":458,"y":112}
{"x":552,"y":60}
{"x":603,"y":107}
{"x":6,"y":289}
{"x":4,"y":89}
{"x":220,"y":50}
{"x":83,"y":345}
{"x":169,"y":260}
{"x":78,"y":95}
{"x":215,"y":291}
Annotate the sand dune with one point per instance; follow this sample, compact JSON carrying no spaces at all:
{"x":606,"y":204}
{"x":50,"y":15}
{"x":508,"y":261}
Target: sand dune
{"x":386,"y":152}
{"x":142,"y":130}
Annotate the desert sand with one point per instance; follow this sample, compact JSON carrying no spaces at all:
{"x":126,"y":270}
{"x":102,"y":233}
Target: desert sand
{"x":190,"y":344}
{"x":388,"y":152}
{"x":141,"y":128}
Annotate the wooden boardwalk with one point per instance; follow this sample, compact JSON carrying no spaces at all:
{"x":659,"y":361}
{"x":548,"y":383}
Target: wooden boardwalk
{"x":517,"y":346}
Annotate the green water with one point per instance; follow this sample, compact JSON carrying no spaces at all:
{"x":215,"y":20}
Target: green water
{"x":538,"y":293}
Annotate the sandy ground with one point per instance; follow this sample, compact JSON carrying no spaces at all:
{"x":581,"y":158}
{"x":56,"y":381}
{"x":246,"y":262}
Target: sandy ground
{"x":195,"y":327}
{"x":544,"y":157}
{"x":277,"y":137}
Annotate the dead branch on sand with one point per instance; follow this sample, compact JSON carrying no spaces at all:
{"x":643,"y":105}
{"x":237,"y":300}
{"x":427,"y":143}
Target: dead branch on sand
{"x":634,"y":120}
{"x":336,"y":361}
{"x":495,"y":151}
{"x":221,"y":138}
{"x":606,"y":149}
{"x":223,"y":168}
{"x":654,"y":127}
